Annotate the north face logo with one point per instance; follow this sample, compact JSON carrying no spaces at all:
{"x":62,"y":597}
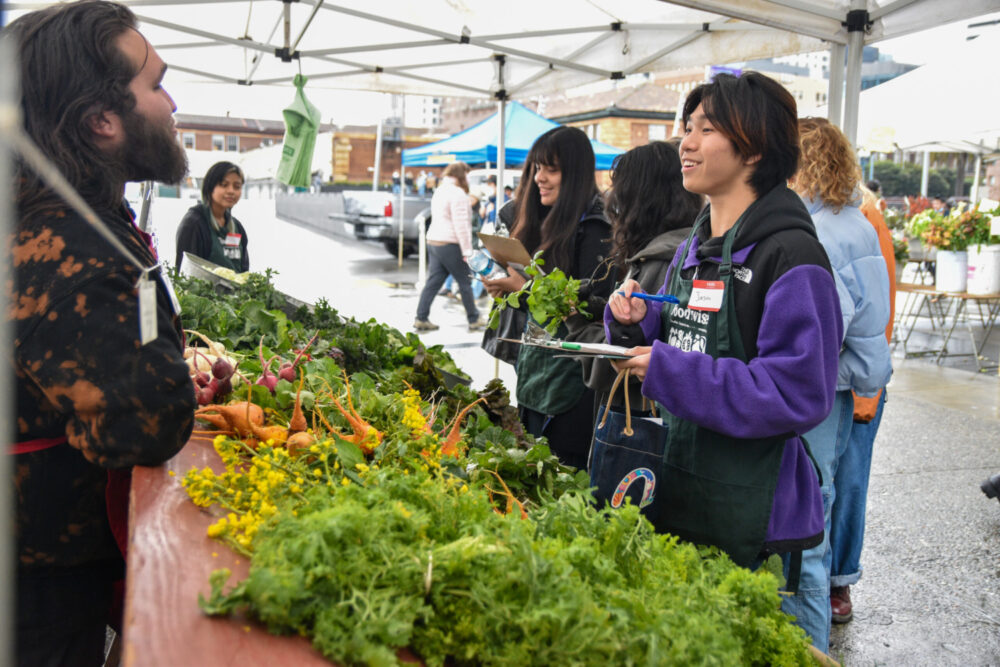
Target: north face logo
{"x":743,"y":273}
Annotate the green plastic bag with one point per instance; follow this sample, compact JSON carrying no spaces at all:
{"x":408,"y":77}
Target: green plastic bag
{"x":301,"y":127}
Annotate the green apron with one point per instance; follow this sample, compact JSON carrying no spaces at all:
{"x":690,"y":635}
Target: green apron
{"x":546,"y":384}
{"x":230,"y":258}
{"x":716,"y":489}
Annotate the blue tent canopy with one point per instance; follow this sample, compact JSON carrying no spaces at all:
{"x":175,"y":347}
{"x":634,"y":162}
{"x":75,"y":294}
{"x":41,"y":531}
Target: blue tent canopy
{"x":477,"y":145}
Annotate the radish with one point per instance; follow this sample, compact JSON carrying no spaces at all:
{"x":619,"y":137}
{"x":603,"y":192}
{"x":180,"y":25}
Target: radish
{"x":267,"y":378}
{"x":205,"y":395}
{"x":224,"y":388}
{"x":287,"y":370}
{"x":222,"y":369}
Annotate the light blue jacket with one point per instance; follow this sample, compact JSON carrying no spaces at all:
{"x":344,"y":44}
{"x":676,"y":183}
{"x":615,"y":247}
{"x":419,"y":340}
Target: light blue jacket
{"x":865,"y":363}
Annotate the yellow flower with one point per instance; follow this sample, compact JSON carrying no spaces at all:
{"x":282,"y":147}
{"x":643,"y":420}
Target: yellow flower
{"x":345,"y":482}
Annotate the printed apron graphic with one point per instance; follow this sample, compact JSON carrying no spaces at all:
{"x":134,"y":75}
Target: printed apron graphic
{"x":689,"y":329}
{"x":649,"y":481}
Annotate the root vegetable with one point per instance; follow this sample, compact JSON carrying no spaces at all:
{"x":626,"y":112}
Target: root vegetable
{"x":299,"y":442}
{"x":267,"y":378}
{"x":298,"y":421}
{"x":216,"y":349}
{"x":222,"y":369}
{"x":238,"y":418}
{"x":364,"y":435}
{"x":287,"y":369}
{"x":450,"y":445}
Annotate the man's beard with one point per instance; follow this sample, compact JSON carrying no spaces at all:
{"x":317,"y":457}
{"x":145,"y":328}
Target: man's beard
{"x":151,"y":152}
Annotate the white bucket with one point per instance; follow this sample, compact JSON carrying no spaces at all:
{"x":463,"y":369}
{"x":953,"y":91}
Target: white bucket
{"x":951,"y":271}
{"x":984,"y":269}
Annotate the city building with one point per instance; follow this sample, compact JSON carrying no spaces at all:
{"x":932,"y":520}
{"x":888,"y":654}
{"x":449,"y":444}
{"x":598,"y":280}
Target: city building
{"x":354,"y":151}
{"x":226,"y":133}
{"x":624,"y":117}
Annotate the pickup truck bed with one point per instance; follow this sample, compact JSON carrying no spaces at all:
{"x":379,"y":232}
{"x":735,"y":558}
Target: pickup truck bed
{"x":374,"y":216}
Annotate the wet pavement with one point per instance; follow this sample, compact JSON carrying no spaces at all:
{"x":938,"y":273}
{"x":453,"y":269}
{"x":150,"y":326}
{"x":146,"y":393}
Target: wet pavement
{"x":930,"y":592}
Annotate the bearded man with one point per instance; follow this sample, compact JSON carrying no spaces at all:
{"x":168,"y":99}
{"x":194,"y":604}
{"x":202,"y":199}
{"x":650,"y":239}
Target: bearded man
{"x":97,"y":391}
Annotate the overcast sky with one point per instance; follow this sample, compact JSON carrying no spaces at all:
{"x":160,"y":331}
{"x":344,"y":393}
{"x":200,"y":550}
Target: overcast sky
{"x":917,"y":48}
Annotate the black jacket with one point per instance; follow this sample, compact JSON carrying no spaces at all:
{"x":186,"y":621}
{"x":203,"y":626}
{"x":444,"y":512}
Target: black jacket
{"x":82,"y":374}
{"x":194,"y":235}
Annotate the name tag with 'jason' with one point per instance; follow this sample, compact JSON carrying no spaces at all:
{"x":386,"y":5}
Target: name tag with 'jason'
{"x":707,"y":295}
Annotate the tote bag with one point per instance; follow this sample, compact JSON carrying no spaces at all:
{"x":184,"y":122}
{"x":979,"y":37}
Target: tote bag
{"x":512,"y":323}
{"x":626,"y":455}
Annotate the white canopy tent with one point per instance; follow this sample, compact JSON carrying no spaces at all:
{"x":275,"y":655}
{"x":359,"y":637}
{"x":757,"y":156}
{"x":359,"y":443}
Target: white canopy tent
{"x":458,"y":47}
{"x":946,"y":106}
{"x":517,"y":48}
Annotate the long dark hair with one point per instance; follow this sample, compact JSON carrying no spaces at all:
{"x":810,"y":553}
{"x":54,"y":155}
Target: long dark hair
{"x":71,"y":69}
{"x":214,"y":176}
{"x":553,"y":228}
{"x":647,"y":198}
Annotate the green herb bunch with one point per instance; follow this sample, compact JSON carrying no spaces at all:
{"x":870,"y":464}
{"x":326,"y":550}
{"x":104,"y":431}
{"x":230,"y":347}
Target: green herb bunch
{"x":551,"y":297}
{"x":417,"y":560}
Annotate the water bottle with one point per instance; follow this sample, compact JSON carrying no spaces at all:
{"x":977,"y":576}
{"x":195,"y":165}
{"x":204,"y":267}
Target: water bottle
{"x":484,"y":266}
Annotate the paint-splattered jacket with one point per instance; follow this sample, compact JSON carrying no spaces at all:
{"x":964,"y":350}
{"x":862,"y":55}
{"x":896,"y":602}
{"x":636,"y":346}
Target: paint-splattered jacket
{"x":82,"y":374}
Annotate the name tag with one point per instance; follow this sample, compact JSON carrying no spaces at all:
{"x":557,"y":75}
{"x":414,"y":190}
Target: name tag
{"x":232,"y":240}
{"x":147,"y":310}
{"x":707,"y":295}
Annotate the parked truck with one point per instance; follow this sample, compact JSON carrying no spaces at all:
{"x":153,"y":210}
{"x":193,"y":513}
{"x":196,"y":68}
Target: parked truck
{"x":374,"y":216}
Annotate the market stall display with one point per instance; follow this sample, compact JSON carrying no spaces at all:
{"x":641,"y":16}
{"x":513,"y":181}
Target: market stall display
{"x":416,"y":516}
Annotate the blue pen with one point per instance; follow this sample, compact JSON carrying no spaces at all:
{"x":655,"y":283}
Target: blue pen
{"x":668,"y":298}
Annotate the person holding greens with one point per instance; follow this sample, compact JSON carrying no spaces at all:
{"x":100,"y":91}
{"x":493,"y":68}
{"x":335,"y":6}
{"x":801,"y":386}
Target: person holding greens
{"x":209,"y":230}
{"x":559,"y":211}
{"x":746,"y":361}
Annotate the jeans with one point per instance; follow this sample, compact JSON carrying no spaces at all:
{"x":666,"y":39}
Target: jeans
{"x":847,"y":523}
{"x":811,"y":604}
{"x":444,"y":260}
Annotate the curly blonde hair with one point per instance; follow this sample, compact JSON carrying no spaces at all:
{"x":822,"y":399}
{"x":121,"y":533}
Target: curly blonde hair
{"x":828,"y":168}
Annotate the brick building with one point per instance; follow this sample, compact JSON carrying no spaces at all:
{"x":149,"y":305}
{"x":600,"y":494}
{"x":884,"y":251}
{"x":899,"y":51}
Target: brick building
{"x":624,"y":118}
{"x":354,"y":152}
{"x":225,"y":133}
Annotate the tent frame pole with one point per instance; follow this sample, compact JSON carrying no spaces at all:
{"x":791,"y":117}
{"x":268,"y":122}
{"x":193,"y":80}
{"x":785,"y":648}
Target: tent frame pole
{"x":10,"y":123}
{"x":858,"y":23}
{"x":835,"y":92}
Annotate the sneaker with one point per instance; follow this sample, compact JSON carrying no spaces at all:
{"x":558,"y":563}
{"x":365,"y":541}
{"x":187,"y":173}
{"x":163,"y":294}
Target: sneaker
{"x":425,"y":325}
{"x":842,"y":611}
{"x":444,"y":291}
{"x":478,"y":325}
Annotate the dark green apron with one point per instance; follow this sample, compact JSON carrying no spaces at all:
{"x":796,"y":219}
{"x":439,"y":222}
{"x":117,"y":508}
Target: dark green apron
{"x":716,"y":489}
{"x":218,"y":254}
{"x":546,"y":384}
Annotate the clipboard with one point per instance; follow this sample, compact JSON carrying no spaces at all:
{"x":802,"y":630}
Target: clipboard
{"x":573,"y":349}
{"x":506,"y":250}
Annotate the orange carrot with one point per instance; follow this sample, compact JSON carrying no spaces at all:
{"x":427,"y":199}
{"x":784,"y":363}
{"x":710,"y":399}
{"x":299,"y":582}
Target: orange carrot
{"x":450,"y":445}
{"x":298,"y":421}
{"x":277,"y":434}
{"x":299,"y":442}
{"x":239,"y":418}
